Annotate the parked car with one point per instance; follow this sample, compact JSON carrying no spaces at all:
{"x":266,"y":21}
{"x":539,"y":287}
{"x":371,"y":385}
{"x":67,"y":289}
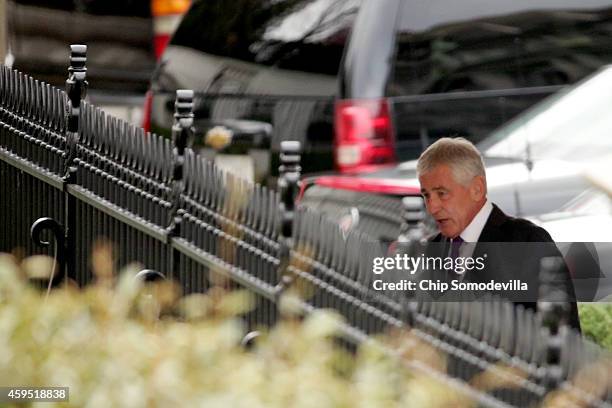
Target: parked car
{"x":118,"y":34}
{"x":364,"y":83}
{"x":550,"y":165}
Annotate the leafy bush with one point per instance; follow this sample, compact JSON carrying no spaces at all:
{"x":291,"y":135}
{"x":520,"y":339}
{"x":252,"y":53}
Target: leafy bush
{"x":115,"y":344}
{"x":107,"y":344}
{"x":596,"y":322}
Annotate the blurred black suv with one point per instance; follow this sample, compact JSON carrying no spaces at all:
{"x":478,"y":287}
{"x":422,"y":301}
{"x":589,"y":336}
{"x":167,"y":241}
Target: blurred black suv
{"x":372,"y":82}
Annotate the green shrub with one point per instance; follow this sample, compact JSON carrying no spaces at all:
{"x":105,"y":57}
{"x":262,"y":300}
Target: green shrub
{"x":106,"y":343}
{"x":596,"y":322}
{"x":115,"y":344}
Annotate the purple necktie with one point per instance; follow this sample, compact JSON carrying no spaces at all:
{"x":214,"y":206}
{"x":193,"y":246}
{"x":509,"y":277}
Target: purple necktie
{"x":455,"y":245}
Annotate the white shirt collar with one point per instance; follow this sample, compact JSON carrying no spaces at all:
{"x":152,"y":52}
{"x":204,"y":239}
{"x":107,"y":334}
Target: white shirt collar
{"x":472,"y":232}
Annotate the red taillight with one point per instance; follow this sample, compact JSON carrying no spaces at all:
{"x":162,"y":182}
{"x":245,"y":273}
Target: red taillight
{"x":146,"y":111}
{"x":159,"y":44}
{"x":364,"y":134}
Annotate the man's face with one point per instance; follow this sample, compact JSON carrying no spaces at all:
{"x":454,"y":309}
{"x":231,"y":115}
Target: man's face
{"x":451,"y":204}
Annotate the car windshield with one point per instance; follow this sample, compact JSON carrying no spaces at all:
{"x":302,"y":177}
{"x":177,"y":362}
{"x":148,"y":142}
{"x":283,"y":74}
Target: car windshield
{"x":574,"y":125}
{"x":301,"y":35}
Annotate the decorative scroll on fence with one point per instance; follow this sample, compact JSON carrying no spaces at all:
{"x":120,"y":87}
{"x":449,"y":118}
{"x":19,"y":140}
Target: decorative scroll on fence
{"x":68,"y":167}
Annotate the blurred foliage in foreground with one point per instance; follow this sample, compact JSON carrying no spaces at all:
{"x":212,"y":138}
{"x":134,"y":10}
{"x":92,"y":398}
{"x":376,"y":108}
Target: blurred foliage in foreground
{"x":596,"y":322}
{"x":117,"y":344}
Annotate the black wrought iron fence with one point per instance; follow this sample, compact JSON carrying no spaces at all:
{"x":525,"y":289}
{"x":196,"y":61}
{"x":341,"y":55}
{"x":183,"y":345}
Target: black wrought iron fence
{"x":69,"y":168}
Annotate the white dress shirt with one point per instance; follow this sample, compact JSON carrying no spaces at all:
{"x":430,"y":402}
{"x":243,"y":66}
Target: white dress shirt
{"x":472,"y":232}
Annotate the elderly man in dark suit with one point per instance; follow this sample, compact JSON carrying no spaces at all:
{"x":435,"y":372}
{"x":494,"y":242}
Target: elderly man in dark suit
{"x":454,"y":186}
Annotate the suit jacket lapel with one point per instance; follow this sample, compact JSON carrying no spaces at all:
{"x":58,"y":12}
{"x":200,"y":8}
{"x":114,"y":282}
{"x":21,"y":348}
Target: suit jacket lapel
{"x":491,"y":232}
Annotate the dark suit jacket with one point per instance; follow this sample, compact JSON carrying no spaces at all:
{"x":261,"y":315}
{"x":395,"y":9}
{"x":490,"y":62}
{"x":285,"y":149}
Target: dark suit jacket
{"x":525,"y":244}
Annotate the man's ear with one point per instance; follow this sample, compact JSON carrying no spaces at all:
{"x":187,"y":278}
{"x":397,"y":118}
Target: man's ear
{"x":478,"y":188}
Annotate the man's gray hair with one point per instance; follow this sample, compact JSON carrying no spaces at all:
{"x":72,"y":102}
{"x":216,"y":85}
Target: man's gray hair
{"x":458,"y":153}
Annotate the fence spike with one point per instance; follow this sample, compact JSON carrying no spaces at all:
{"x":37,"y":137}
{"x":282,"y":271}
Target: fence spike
{"x":151,"y":153}
{"x":135,"y":149}
{"x":189,"y":170}
{"x":123,"y":144}
{"x":141,"y":154}
{"x":268,"y":207}
{"x":61,"y":110}
{"x":53,"y":107}
{"x":34,"y":99}
{"x":19,"y":99}
{"x":2,"y":84}
{"x":28,"y":97}
{"x":218,"y":189}
{"x":113,"y":136}
{"x":158,"y":158}
{"x":16,"y":99}
{"x":207,"y":177}
{"x":128,"y":131}
{"x":6,"y":87}
{"x":23,"y":95}
{"x":9,"y":89}
{"x":246,"y":191}
{"x":234,"y":197}
{"x":85,"y":130}
{"x":44,"y":104}
{"x":258,"y":223}
{"x":167,"y":161}
{"x":127,"y":146}
{"x":161,"y":157}
{"x":12,"y":89}
{"x":194,"y":174}
{"x":101,"y":131}
{"x":35,"y":90}
{"x":199,"y":177}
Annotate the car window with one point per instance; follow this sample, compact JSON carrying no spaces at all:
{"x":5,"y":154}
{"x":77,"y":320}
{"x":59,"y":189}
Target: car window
{"x":302,"y":35}
{"x":482,"y":44}
{"x":573,"y":125}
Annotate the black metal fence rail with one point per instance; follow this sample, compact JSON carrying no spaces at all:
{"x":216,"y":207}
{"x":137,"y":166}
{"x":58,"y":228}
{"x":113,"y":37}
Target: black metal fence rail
{"x":67,"y":167}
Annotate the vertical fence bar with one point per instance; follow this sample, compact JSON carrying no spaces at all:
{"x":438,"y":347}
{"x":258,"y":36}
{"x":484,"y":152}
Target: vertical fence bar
{"x":76,"y":89}
{"x":554,"y":312}
{"x":411,"y":241}
{"x":289,"y":176}
{"x":182,"y":136}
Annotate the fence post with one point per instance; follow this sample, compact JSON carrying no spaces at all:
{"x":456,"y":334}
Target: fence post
{"x":554,"y":311}
{"x":411,"y":241}
{"x":76,"y":88}
{"x":182,"y":136}
{"x":411,"y":230}
{"x":289,"y":177}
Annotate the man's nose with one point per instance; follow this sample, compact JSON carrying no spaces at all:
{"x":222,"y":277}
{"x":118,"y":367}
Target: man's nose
{"x":432,"y":205}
